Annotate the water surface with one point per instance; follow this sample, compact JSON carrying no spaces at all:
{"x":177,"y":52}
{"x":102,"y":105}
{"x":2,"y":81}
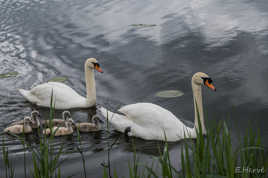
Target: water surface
{"x":226,"y":39}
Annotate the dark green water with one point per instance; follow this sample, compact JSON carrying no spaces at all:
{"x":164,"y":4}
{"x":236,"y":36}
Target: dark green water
{"x":226,"y":39}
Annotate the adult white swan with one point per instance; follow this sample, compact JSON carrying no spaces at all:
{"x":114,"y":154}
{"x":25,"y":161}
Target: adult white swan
{"x":64,"y":96}
{"x":152,"y":122}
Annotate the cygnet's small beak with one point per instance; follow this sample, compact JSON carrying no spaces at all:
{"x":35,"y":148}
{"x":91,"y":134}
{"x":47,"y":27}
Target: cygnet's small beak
{"x":210,"y":85}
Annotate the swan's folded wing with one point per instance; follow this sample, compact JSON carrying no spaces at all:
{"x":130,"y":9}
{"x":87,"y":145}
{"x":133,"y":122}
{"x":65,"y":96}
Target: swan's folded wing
{"x":44,"y":91}
{"x":149,"y":115}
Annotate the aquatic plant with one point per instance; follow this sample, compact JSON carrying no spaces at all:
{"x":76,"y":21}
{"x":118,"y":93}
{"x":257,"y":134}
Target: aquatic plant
{"x":81,"y":153}
{"x":143,"y":25}
{"x":210,"y":156}
{"x":9,"y":170}
{"x":46,"y":162}
{"x":58,"y":79}
{"x":9,"y":74}
{"x":169,"y":93}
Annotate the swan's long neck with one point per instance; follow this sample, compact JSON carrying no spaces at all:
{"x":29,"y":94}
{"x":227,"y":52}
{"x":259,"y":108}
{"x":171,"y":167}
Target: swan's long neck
{"x":90,"y":84}
{"x":198,"y":107}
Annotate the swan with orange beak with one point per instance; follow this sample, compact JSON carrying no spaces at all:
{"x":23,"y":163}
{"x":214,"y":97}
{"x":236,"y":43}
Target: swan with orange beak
{"x":152,"y":122}
{"x":64,"y":96}
{"x":208,"y":83}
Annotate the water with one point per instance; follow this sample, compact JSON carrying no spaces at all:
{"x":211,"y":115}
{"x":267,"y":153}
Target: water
{"x":226,"y":39}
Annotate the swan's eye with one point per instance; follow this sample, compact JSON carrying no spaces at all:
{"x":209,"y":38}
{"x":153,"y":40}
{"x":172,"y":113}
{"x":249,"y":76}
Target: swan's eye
{"x":96,"y":65}
{"x":207,"y":79}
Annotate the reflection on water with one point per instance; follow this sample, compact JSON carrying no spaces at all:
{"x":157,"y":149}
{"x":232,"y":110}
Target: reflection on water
{"x":45,"y":39}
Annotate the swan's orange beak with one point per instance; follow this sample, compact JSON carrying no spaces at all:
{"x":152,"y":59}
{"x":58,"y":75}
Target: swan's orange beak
{"x":210,"y":85}
{"x":97,"y":67}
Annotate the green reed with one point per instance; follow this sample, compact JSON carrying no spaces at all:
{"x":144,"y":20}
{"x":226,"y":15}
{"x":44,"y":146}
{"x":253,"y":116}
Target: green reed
{"x":210,"y":156}
{"x":81,"y":153}
{"x":9,"y":170}
{"x":46,"y":161}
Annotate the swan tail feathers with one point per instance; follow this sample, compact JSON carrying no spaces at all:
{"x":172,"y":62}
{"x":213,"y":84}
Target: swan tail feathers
{"x":118,"y":121}
{"x":27,"y":94}
{"x":107,"y":114}
{"x":24,"y":93}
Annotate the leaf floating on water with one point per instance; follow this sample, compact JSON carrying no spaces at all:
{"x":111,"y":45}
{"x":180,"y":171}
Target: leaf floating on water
{"x":215,"y":176}
{"x":58,"y":79}
{"x":9,"y":74}
{"x":169,"y":94}
{"x":143,"y":25}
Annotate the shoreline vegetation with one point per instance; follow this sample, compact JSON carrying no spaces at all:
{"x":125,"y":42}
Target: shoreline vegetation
{"x":210,"y":156}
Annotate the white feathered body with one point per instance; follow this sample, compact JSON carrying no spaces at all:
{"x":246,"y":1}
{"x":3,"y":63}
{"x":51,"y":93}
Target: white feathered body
{"x":148,"y":121}
{"x":63,"y":96}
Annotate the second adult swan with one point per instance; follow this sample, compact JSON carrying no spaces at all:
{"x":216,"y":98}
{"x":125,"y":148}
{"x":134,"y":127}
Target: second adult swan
{"x":152,"y":122}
